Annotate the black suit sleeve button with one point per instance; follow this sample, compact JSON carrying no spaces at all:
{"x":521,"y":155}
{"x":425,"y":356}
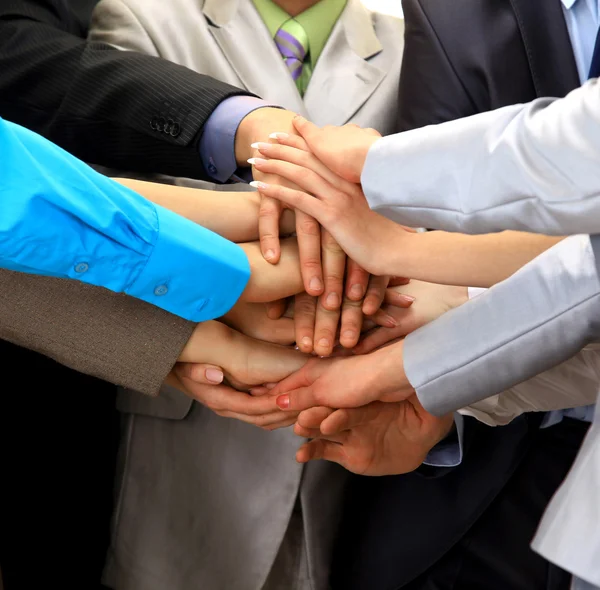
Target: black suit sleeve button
{"x":175,"y":130}
{"x":160,"y":125}
{"x":153,"y":122}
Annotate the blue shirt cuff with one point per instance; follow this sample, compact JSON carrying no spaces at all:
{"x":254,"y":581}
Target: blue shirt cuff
{"x":217,"y":144}
{"x":445,"y":453}
{"x":191,"y":272}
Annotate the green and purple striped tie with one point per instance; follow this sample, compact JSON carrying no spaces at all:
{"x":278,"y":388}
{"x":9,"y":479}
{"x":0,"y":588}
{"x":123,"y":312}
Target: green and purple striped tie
{"x":292,"y":41}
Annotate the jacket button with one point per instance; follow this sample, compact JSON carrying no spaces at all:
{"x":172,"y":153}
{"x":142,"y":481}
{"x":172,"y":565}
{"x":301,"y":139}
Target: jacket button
{"x":175,"y":130}
{"x":153,"y":122}
{"x":160,"y":124}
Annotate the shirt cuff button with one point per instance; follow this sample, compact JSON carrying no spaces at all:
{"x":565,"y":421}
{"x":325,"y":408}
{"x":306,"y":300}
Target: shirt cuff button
{"x":161,"y":290}
{"x":82,"y":267}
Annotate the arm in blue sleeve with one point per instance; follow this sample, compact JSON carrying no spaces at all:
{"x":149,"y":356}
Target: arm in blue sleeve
{"x":61,"y":218}
{"x":217,"y":144}
{"x":448,"y":452}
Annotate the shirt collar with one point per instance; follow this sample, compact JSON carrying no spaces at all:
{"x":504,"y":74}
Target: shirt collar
{"x":568,"y":4}
{"x":318,"y":21}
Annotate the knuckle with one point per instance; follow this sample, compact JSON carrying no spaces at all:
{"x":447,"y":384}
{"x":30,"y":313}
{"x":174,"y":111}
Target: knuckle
{"x":311,"y":263}
{"x":308,"y":226}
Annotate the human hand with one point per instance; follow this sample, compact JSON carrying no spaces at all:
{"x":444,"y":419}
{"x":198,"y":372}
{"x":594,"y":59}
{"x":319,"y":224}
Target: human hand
{"x":347,"y":382}
{"x":342,"y":149}
{"x":377,"y":439}
{"x":374,"y":242}
{"x":431,"y":301}
{"x":258,"y":126}
{"x":245,"y":362}
{"x":252,"y":320}
{"x":272,"y":282}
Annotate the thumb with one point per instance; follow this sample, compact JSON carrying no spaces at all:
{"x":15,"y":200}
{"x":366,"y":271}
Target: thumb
{"x":309,"y":131}
{"x":200,"y":373}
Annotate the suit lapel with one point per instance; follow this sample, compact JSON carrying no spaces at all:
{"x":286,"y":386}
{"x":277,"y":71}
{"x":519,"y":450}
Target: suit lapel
{"x":344,"y":79}
{"x":236,"y":26}
{"x":548,"y":46}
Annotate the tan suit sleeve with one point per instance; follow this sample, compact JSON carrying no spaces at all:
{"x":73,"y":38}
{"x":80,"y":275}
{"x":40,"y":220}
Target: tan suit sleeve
{"x":92,"y":330}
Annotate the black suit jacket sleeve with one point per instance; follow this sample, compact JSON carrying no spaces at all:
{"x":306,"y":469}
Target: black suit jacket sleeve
{"x":431,"y":92}
{"x":108,"y":107}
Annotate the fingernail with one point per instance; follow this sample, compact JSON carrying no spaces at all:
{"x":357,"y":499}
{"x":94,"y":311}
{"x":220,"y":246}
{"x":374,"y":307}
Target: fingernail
{"x":333,"y":300}
{"x":278,"y":135}
{"x":389,"y":321}
{"x":260,"y":145}
{"x":270,"y":254}
{"x":214,"y":376}
{"x":258,"y":185}
{"x":315,"y":284}
{"x":256,"y":161}
{"x":408,"y":298}
{"x":349,"y":335}
{"x":306,"y":342}
{"x":324,"y":343}
{"x":357,"y":290}
{"x":283,"y":401}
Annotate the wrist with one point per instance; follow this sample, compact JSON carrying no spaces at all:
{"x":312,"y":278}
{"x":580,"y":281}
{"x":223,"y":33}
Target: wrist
{"x":207,"y":344}
{"x":392,"y":382}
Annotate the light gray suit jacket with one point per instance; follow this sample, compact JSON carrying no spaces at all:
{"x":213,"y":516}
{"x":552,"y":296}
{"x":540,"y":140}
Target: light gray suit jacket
{"x":204,"y":502}
{"x":532,"y":167}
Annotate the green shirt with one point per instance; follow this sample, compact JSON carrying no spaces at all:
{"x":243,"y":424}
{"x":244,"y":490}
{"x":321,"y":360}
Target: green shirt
{"x":318,"y":22}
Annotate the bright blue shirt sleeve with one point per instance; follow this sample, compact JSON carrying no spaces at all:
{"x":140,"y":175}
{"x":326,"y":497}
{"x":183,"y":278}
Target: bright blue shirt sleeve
{"x":217,"y":144}
{"x":58,"y":217}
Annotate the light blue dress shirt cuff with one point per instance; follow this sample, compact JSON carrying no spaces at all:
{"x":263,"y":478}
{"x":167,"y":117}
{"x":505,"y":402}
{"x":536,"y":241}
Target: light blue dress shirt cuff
{"x":191,"y":272}
{"x":217,"y":144}
{"x":448,"y":454}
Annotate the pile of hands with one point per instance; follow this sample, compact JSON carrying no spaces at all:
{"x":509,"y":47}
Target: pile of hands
{"x":316,"y":339}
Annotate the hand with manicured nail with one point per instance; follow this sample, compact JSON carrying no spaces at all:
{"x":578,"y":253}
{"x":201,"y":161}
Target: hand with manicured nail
{"x":244,"y":363}
{"x":346,"y":382}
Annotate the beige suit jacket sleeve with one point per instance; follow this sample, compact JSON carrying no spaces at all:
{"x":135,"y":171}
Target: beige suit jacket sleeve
{"x":92,"y":330}
{"x":533,"y":167}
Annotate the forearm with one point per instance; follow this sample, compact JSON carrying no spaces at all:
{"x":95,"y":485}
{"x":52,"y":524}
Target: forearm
{"x":233,"y":215}
{"x":540,"y":317}
{"x":460,"y":259}
{"x":92,"y":330}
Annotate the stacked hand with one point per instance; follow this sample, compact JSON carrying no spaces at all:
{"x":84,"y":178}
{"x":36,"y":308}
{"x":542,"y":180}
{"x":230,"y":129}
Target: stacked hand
{"x":360,"y":411}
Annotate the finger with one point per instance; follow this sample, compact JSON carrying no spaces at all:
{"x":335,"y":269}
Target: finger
{"x":297,"y":400}
{"x":351,"y":324}
{"x":372,"y":131}
{"x":307,"y":130}
{"x":221,"y":398}
{"x":375,"y":294}
{"x":298,"y":200}
{"x":313,"y":417}
{"x":346,"y":419}
{"x":306,"y":160}
{"x":275,"y":309}
{"x":305,"y":309}
{"x":308,"y":234}
{"x":281,"y":424}
{"x":398,"y":281}
{"x":334,"y":266}
{"x":201,"y":373}
{"x":397,"y":299}
{"x":268,"y":228}
{"x":290,"y":140}
{"x":306,"y":432}
{"x":377,"y":338}
{"x":357,"y":281}
{"x":321,"y":449}
{"x":326,"y":326}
